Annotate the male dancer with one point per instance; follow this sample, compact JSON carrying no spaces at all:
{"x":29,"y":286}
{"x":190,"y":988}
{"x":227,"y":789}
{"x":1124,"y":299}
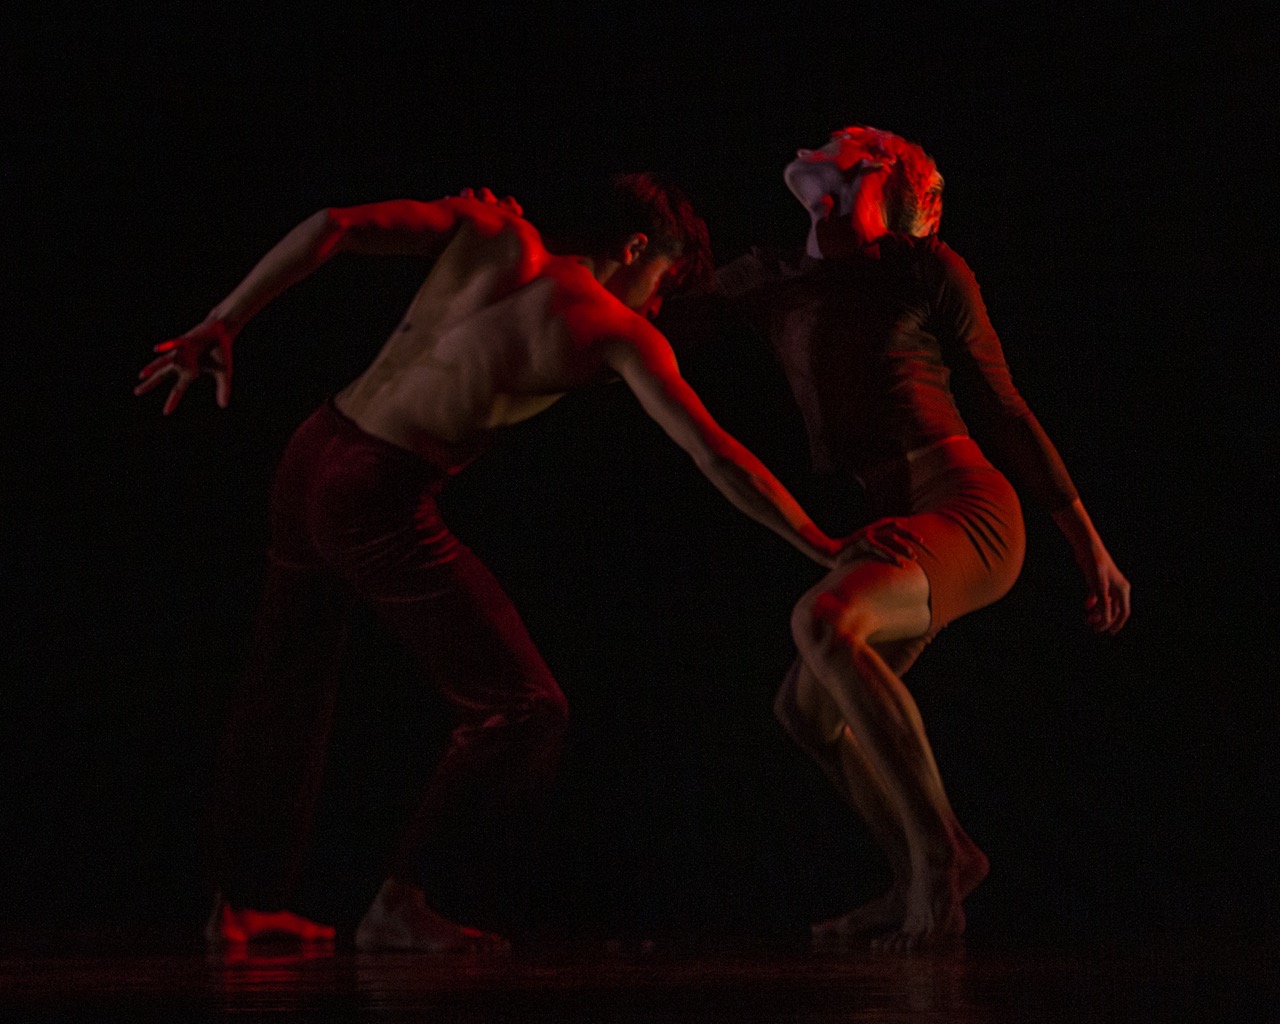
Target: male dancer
{"x":500,"y":329}
{"x":869,"y":324}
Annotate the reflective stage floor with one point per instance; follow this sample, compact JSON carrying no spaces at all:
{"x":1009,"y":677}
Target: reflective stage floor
{"x":970,"y":986}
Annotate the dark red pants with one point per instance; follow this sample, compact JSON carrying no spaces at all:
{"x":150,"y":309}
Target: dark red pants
{"x":354,"y":518}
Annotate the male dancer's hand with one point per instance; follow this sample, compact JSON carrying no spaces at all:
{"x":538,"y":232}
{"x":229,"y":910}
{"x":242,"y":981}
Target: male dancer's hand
{"x":886,"y":540}
{"x":205,"y":348}
{"x":485,"y":195}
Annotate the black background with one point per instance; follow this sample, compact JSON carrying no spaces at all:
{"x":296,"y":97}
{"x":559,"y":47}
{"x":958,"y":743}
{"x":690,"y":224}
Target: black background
{"x":1105,"y":180}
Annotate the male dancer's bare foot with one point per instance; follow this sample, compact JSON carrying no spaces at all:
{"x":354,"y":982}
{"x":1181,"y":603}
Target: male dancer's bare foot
{"x":400,"y":919}
{"x":231,"y":926}
{"x":928,"y":911}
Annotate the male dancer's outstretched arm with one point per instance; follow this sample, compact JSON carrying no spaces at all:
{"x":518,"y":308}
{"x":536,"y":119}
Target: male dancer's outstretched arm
{"x":646,"y":363}
{"x":636,"y":351}
{"x":401,"y":227}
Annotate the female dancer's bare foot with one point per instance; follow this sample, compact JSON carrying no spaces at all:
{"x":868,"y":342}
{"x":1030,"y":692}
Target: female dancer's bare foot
{"x":231,"y":926}
{"x":934,"y":901}
{"x":915,"y":915}
{"x":874,"y":918}
{"x":400,"y":919}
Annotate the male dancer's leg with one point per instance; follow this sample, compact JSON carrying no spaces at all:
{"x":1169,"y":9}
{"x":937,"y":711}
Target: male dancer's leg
{"x":271,"y":764}
{"x":511,"y":718}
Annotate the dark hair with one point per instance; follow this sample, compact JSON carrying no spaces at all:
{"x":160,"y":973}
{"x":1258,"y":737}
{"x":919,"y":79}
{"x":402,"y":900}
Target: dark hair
{"x":603,"y":217}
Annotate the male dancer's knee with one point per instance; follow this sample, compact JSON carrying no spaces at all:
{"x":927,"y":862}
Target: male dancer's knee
{"x":537,"y":729}
{"x":551,"y":716}
{"x":522,"y":726}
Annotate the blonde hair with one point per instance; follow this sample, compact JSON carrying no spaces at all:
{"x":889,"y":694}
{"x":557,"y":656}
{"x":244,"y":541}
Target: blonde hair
{"x":913,"y":193}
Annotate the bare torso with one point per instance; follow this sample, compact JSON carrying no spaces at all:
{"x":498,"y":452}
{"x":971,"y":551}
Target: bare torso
{"x":489,"y":340}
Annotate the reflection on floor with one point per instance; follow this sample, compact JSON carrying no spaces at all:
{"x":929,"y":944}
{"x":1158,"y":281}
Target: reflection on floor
{"x":642,"y":984}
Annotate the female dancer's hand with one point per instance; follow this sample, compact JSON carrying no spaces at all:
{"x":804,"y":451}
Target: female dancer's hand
{"x":205,"y":348}
{"x":1107,"y":605}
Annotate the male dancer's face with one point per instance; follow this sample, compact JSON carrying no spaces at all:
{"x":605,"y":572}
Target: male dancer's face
{"x":639,"y":283}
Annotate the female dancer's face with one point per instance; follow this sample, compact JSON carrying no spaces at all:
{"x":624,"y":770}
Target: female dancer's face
{"x":828,"y":180}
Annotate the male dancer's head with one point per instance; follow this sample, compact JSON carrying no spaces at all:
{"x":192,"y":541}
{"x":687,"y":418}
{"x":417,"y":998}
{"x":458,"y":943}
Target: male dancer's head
{"x":643,"y":238}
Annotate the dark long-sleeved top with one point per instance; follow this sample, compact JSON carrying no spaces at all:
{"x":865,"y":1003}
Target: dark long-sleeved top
{"x":868,"y":343}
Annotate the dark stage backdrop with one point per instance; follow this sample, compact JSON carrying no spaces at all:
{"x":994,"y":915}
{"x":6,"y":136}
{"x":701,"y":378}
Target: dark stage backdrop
{"x":1105,"y":181}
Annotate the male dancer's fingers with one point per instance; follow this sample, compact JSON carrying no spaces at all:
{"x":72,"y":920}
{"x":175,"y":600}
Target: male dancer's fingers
{"x":154,"y":367}
{"x":149,"y":381}
{"x":484,"y":194}
{"x":895,"y":541}
{"x":222,"y":383}
{"x":175,"y":396}
{"x":217,"y":363}
{"x":898,"y":554}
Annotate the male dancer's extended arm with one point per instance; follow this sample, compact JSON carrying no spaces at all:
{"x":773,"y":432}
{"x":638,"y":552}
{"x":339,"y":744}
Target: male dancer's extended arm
{"x":399,"y":227}
{"x":644,"y":360}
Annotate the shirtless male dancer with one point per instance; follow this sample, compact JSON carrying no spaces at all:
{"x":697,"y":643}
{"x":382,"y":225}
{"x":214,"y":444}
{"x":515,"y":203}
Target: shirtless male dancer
{"x":500,"y":329}
{"x":868,"y":324}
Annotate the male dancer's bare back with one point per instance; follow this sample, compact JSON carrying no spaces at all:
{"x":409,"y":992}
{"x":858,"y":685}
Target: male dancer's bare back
{"x":500,"y":329}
